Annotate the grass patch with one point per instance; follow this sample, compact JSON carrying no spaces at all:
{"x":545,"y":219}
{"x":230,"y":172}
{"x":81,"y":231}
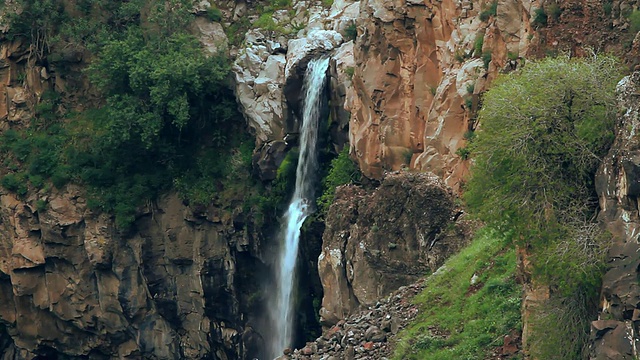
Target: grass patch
{"x":478,"y":43}
{"x":486,"y":59}
{"x":351,"y":32}
{"x":462,"y":321}
{"x":634,"y":21}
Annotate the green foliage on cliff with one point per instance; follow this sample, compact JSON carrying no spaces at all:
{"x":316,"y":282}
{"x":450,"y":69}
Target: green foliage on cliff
{"x":634,"y":21}
{"x":461,"y":320}
{"x":342,"y":170}
{"x":489,"y":11}
{"x":543,"y":131}
{"x":168,"y":117}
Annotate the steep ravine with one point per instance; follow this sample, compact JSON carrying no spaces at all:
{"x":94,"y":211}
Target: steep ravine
{"x":188,"y":283}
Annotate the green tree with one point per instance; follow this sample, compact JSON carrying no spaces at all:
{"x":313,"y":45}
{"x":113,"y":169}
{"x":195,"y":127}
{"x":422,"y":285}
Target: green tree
{"x":543,"y":133}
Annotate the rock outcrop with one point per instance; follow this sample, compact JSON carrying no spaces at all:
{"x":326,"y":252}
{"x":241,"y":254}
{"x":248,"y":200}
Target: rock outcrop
{"x":421,"y":66}
{"x":70,"y":284}
{"x":615,"y":334}
{"x":269,"y":65}
{"x":376,"y":241}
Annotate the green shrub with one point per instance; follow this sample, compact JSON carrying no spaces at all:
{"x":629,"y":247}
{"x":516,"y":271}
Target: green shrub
{"x":351,"y":32}
{"x":565,"y":324}
{"x":341,"y":171}
{"x":573,"y":97}
{"x":266,"y":22}
{"x":555,"y":11}
{"x":486,"y":59}
{"x":214,"y":14}
{"x":540,"y":17}
{"x":407,"y":155}
{"x":469,"y":135}
{"x":463,"y":152}
{"x":542,"y":132}
{"x":41,"y":205}
{"x":489,"y":11}
{"x":471,"y":88}
{"x":607,"y":6}
{"x":477,"y":44}
{"x":468,"y":103}
{"x":634,"y":21}
{"x":350,"y":71}
{"x":15,"y":183}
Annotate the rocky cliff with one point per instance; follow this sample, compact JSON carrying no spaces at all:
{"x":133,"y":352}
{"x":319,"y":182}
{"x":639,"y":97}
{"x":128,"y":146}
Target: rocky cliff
{"x":373,"y":242}
{"x":421,"y":66}
{"x":406,"y":78}
{"x":72,"y":284}
{"x":615,"y":333}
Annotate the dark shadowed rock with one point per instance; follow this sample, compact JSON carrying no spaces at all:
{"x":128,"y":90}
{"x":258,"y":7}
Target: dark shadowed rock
{"x":618,"y":187}
{"x":377,"y":241}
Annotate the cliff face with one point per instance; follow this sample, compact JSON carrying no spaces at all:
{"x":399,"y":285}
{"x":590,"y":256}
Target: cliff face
{"x":187,"y":283}
{"x":416,"y":85}
{"x":615,"y":334}
{"x":376,"y":241}
{"x":71,"y":284}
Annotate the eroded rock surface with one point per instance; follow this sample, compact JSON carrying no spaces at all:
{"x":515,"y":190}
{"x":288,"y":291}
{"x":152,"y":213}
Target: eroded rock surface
{"x":615,"y":335}
{"x":377,"y":241}
{"x":69,"y":283}
{"x":418,"y":77}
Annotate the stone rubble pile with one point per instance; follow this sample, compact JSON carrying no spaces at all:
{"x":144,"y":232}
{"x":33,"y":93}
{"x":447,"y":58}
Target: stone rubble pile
{"x":368,"y":334}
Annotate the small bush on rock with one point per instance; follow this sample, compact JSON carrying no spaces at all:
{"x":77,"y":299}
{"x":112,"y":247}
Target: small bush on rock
{"x":490,"y":11}
{"x":342,"y":171}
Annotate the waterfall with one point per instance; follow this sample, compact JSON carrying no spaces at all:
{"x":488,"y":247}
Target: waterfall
{"x":300,"y":206}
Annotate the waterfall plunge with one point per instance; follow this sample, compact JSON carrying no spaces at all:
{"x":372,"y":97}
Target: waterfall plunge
{"x":299,"y":208}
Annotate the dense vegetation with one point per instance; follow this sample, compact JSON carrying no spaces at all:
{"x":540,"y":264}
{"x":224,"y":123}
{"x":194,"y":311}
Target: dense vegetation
{"x":164,"y":115}
{"x":461,"y":318}
{"x":543,"y":132}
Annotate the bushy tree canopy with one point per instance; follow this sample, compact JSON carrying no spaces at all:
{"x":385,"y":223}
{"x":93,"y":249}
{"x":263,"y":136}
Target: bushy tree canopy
{"x":543,"y":131}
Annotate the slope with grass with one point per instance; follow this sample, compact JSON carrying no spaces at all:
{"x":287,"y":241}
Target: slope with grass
{"x":469,"y":306}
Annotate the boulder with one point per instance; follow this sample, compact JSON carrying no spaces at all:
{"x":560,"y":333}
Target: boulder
{"x":377,"y":241}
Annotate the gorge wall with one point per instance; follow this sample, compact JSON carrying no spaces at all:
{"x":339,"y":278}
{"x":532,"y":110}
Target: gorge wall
{"x":404,"y":92}
{"x":615,"y":333}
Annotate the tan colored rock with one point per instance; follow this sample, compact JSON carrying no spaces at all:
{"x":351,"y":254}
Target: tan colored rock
{"x":410,"y":104}
{"x":211,"y":36}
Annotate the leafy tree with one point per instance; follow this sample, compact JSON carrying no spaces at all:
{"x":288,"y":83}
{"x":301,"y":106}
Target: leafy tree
{"x":154,"y":85}
{"x":543,"y":132}
{"x":168,"y":117}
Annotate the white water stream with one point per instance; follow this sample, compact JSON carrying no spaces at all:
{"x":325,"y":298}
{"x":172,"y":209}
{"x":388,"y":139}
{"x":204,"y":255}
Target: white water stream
{"x":300,"y":206}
